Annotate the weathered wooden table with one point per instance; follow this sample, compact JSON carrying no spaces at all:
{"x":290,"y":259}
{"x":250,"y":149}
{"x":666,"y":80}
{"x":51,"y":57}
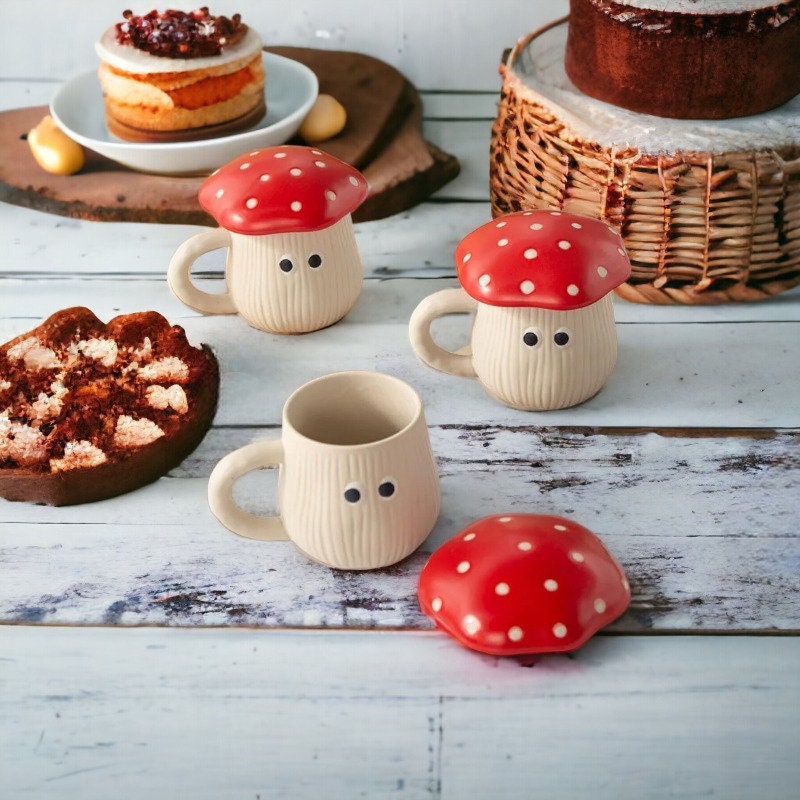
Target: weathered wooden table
{"x":145,"y":651}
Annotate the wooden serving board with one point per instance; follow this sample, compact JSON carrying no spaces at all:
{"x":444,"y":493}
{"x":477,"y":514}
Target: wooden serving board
{"x":383,"y":139}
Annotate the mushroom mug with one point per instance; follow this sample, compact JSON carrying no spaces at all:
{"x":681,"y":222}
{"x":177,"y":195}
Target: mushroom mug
{"x":357,"y":483}
{"x":539,"y":284}
{"x":285,"y":216}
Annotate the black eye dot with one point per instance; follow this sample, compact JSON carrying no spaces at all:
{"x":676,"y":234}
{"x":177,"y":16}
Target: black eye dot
{"x":314,"y":260}
{"x":561,"y":338}
{"x":285,"y":264}
{"x":352,"y":495}
{"x":530,"y":339}
{"x":386,"y":489}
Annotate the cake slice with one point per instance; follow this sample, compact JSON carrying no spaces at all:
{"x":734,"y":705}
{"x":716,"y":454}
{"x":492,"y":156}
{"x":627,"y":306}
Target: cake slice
{"x":91,"y":410}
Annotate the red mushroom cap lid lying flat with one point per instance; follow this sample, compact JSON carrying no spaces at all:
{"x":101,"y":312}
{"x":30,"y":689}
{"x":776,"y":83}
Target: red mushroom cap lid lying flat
{"x":523,"y":583}
{"x":288,"y":189}
{"x":545,"y":259}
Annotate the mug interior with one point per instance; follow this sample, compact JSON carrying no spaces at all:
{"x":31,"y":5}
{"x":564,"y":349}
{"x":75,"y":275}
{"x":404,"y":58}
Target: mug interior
{"x":352,"y":408}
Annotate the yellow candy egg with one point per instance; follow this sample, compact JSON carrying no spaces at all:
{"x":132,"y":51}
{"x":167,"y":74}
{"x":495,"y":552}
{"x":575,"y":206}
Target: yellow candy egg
{"x":326,"y":118}
{"x":53,"y":150}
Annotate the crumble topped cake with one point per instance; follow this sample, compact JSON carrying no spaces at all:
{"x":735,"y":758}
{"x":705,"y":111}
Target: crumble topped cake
{"x":89,"y":410}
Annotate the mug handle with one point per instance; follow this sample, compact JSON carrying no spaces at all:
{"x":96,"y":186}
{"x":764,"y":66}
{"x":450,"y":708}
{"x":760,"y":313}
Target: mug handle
{"x":258,"y":455}
{"x":438,"y":304}
{"x":180,"y":280}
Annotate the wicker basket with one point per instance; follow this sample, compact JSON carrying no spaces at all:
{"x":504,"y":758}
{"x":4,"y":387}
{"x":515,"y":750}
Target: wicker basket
{"x":699,"y":227}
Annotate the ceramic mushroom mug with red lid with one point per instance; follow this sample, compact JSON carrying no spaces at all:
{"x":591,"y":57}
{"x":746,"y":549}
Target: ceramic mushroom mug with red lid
{"x":285,"y":215}
{"x":540,"y":284}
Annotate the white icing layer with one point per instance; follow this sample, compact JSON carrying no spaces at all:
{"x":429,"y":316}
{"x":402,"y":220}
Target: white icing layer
{"x":540,"y":66}
{"x":700,"y":6}
{"x":129,"y":59}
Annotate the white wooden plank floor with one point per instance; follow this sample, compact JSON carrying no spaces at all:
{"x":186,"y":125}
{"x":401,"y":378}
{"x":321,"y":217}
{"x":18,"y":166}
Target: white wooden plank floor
{"x":145,"y":651}
{"x":257,"y":714}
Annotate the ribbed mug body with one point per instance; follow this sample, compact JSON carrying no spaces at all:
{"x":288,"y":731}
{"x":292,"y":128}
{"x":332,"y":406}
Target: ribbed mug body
{"x":295,"y":282}
{"x":358,"y":486}
{"x":538,"y":359}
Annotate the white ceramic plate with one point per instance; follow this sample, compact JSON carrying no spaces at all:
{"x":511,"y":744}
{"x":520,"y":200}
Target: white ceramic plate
{"x":291,"y":90}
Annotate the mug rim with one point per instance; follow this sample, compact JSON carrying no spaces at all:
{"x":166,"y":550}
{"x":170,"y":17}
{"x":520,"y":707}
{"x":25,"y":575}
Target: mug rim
{"x":415,"y":416}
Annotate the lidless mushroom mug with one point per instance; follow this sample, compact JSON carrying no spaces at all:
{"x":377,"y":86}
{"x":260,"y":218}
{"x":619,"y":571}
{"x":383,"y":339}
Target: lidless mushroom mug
{"x":358,"y":486}
{"x":293,"y":264}
{"x":539,"y":283}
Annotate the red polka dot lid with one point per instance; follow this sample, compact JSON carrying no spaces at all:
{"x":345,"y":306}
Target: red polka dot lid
{"x":287,"y":189}
{"x":546,"y":259}
{"x":514,"y":584}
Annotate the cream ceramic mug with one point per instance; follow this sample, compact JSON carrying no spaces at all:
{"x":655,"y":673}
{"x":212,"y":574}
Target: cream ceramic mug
{"x":539,"y":283}
{"x":357,"y":487}
{"x":293,"y":265}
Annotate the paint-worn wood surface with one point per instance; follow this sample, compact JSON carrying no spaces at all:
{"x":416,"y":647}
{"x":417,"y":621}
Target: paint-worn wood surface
{"x":146,"y":651}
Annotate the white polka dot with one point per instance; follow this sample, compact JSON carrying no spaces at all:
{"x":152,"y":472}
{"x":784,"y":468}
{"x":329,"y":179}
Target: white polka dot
{"x":526,"y":287}
{"x":317,"y":152}
{"x":525,"y":546}
{"x":251,"y":202}
{"x":504,"y":519}
{"x":219,"y":193}
{"x":246,"y":165}
{"x":551,"y":585}
{"x":560,"y":527}
{"x":515,"y":633}
{"x":620,"y":251}
{"x":502,"y":242}
{"x":501,"y":224}
{"x":502,"y":589}
{"x":530,"y":253}
{"x":602,"y":272}
{"x":555,"y":213}
{"x":559,"y":630}
{"x":320,"y":164}
{"x":330,"y":194}
{"x":537,"y":226}
{"x":577,"y":225}
{"x":296,"y":205}
{"x":625,"y":585}
{"x":463,"y":567}
{"x":564,"y":244}
{"x":466,"y":257}
{"x":576,"y":556}
{"x":264,"y":178}
{"x":353,"y":181}
{"x":295,"y":172}
{"x":436,"y":604}
{"x":280,"y":155}
{"x":599,"y":605}
{"x":254,"y":153}
{"x":471,"y":624}
{"x":469,"y":537}
{"x":572,"y":290}
{"x":485,"y":280}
